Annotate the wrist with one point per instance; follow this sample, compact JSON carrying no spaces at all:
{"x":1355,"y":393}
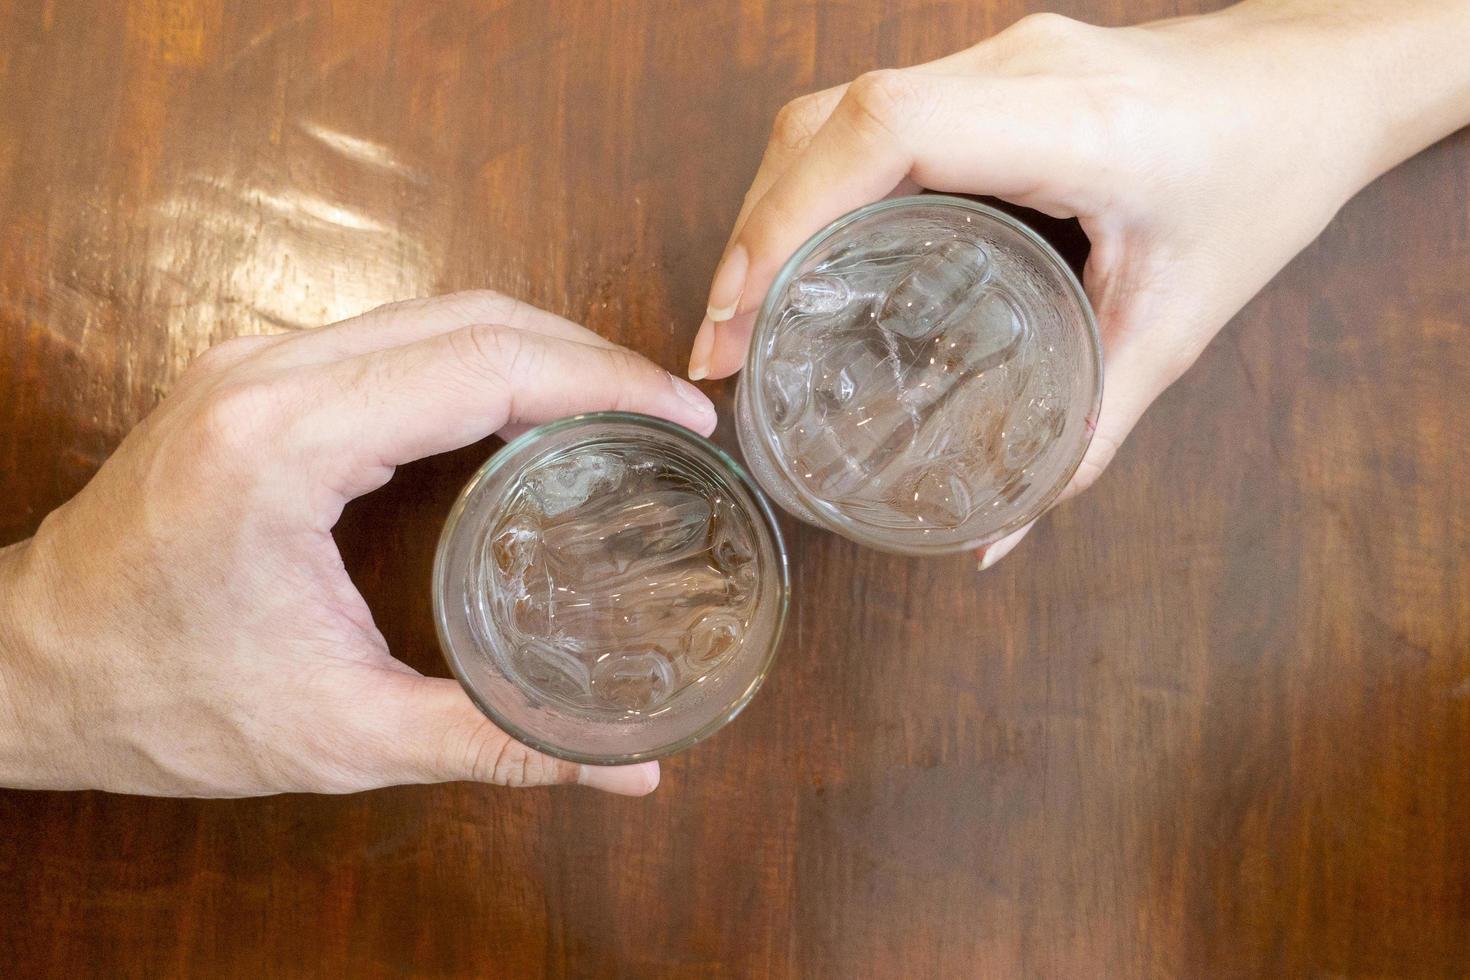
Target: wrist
{"x":39,"y":744}
{"x":1376,"y":80}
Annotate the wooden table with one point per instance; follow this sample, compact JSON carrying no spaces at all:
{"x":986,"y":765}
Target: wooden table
{"x":1212,"y":719}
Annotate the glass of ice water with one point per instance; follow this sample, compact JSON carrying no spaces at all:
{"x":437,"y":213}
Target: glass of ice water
{"x":610,"y":588}
{"x":924,"y":377}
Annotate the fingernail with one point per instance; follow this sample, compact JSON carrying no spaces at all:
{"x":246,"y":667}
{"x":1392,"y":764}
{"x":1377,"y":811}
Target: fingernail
{"x":728,"y":285}
{"x":989,"y":555}
{"x":693,"y":397}
{"x":704,"y":345}
{"x":996,"y":550}
{"x":638,"y":780}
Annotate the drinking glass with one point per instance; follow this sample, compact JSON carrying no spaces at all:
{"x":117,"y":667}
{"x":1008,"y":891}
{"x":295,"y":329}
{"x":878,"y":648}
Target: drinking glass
{"x":924,"y":377}
{"x":610,"y":588}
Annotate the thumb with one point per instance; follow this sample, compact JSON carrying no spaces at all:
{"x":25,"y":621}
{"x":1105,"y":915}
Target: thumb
{"x":1138,"y":369}
{"x":443,"y":737}
{"x":1149,"y":339}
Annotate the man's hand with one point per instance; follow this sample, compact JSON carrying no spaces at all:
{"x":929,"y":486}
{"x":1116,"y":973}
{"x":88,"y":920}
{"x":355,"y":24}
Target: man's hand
{"x":184,"y":626}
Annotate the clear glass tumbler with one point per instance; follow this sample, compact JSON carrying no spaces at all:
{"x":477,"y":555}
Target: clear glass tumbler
{"x":610,"y":588}
{"x":924,"y":377}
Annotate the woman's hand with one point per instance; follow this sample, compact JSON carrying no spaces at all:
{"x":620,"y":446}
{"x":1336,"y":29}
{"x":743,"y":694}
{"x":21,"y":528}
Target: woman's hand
{"x":1200,"y":155}
{"x":185,"y":627}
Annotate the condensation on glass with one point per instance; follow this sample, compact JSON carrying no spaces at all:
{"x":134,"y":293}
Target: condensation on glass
{"x":610,"y":588}
{"x":924,"y":377}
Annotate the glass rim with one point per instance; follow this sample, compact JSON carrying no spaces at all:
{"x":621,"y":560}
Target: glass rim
{"x":831,"y":517}
{"x":493,"y":466}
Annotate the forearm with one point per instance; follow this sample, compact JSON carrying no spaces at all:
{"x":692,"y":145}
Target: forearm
{"x":1396,"y":68}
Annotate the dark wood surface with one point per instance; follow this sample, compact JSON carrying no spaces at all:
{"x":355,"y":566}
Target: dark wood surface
{"x":1211,"y":720}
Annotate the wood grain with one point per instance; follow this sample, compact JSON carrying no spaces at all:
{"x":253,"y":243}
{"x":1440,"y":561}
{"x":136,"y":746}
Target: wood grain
{"x":1212,"y":719}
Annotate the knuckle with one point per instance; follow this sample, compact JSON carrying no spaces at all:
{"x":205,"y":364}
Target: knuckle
{"x":1047,"y":26}
{"x":501,"y":760}
{"x":480,"y":304}
{"x":480,"y":298}
{"x":770,"y":223}
{"x":629,"y":372}
{"x":397,"y":308}
{"x":409,"y":305}
{"x":629,"y":366}
{"x":882,"y":99}
{"x":513,"y":767}
{"x":796,"y":124}
{"x":492,"y":352}
{"x":243,"y":416}
{"x":227,"y":353}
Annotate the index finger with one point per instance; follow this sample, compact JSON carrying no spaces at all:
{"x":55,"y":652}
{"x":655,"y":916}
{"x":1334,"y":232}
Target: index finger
{"x":1022,"y":139}
{"x":406,"y":321}
{"x":373,"y":412}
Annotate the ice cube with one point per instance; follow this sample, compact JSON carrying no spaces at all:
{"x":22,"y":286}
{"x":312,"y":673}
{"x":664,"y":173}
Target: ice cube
{"x":818,"y":294}
{"x":602,"y":570}
{"x":636,"y":681}
{"x":515,"y":545}
{"x":826,"y":463}
{"x":1031,"y":427}
{"x":833,"y":387}
{"x":554,"y":671}
{"x":637,"y":463}
{"x":567,"y":483}
{"x":732,"y":553}
{"x":1014,"y":487}
{"x":940,"y":285}
{"x":882,"y":251}
{"x":787,"y":386}
{"x":651,"y":601}
{"x":892,"y":402}
{"x":996,"y":328}
{"x":608,"y":535}
{"x":712,"y":639}
{"x":531,"y":612}
{"x":941,"y":498}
